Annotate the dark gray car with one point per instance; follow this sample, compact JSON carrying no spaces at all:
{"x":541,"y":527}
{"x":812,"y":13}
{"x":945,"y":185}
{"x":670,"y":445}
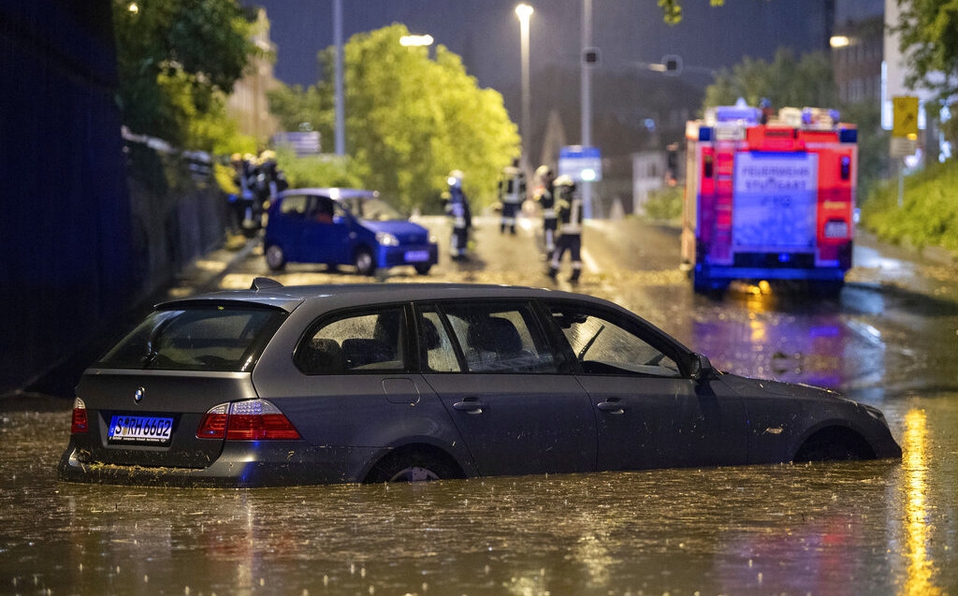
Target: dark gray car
{"x":370,"y":383}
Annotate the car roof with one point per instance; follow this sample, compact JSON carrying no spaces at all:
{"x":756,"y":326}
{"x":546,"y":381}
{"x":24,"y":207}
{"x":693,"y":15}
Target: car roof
{"x":268,"y":292}
{"x":334,"y":193}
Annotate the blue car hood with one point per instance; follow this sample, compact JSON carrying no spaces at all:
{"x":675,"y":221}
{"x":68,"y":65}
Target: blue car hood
{"x":395,"y":227}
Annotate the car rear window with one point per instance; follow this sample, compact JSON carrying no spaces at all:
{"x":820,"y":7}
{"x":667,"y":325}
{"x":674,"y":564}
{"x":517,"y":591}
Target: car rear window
{"x":219,"y":338}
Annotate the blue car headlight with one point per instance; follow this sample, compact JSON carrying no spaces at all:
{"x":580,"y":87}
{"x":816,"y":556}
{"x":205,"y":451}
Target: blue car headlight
{"x":386,"y":239}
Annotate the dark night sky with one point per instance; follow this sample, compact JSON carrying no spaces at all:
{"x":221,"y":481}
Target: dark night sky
{"x":486,"y":33}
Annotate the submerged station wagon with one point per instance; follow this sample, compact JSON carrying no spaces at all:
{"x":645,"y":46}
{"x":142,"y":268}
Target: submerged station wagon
{"x":405,"y":382}
{"x":344,"y":226}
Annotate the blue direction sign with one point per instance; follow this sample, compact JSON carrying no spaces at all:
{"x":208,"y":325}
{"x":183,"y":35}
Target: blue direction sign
{"x":583,"y":164}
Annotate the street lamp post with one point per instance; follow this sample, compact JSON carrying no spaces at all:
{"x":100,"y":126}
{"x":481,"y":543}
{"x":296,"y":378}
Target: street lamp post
{"x":340,"y":140}
{"x":524,"y":11}
{"x":586,"y":66}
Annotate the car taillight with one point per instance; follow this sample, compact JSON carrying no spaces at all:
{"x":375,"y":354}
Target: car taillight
{"x":79,"y":423}
{"x":251,"y":420}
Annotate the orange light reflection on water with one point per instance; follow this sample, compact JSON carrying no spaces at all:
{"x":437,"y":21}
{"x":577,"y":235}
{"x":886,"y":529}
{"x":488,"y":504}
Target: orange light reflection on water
{"x":920,"y":567}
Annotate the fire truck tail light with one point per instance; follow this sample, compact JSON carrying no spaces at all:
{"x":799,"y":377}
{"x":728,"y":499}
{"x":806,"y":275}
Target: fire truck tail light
{"x":846,"y":167}
{"x":836,"y":229}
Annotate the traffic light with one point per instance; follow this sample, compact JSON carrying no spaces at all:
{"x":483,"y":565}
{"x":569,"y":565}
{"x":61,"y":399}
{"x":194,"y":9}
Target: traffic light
{"x":673,"y":64}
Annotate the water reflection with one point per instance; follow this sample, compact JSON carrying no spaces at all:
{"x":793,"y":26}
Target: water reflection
{"x":921,"y":568}
{"x":789,"y":338}
{"x":872,"y":527}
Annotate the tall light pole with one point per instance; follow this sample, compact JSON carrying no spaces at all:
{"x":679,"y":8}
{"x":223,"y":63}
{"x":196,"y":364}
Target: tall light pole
{"x":587,"y":60}
{"x":524,"y":11}
{"x":340,"y":140}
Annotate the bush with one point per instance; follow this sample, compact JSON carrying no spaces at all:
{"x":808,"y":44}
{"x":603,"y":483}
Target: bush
{"x":322,"y":171}
{"x":928,"y":215}
{"x":665,"y":204}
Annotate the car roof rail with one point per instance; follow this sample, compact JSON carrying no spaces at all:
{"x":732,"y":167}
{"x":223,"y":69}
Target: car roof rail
{"x":265,"y":283}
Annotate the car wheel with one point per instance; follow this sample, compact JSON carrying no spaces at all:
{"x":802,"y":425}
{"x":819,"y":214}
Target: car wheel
{"x":364,"y":262}
{"x":832,"y":448}
{"x":423,"y":268}
{"x":275,"y":257}
{"x":412,"y":466}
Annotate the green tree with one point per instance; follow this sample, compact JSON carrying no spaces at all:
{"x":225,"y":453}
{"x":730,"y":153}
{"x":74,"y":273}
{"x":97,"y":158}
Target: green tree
{"x":928,"y":38}
{"x":410,"y":119}
{"x":299,"y":109}
{"x":785,"y":81}
{"x":177,"y":61}
{"x":806,"y":82}
{"x":672,"y":10}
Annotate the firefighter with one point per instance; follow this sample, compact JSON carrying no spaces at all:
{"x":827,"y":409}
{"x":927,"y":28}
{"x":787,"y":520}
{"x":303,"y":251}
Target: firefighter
{"x":545,"y":196}
{"x":569,"y":213}
{"x":512,"y":191}
{"x":457,"y":207}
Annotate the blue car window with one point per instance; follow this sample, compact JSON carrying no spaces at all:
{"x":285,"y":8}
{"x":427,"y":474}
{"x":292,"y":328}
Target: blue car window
{"x":293,"y":205}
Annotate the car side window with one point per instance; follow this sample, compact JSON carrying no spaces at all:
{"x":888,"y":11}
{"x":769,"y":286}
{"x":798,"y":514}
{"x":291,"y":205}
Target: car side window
{"x":500,"y":338}
{"x":438,"y":349}
{"x":322,"y":210}
{"x":608,"y":345}
{"x":354,"y":343}
{"x":293,"y":205}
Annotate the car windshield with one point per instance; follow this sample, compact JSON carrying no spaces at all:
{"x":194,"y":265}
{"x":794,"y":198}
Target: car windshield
{"x":219,"y":338}
{"x":373,"y":209}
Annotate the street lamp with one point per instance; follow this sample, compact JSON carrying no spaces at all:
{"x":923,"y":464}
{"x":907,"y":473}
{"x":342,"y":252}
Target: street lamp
{"x":524,"y":12}
{"x":416,"y":40}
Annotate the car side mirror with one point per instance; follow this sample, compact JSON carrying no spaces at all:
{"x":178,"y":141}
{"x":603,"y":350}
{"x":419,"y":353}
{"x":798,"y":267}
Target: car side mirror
{"x":701,"y":367}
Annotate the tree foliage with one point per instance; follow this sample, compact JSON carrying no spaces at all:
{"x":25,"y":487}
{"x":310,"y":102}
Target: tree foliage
{"x":672,"y":10}
{"x":785,"y":81}
{"x":177,"y":62}
{"x":800,"y":83}
{"x":299,"y":109}
{"x":928,"y":38}
{"x":410,"y":119}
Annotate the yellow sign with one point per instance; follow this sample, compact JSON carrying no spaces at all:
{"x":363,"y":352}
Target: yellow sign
{"x":905,"y":117}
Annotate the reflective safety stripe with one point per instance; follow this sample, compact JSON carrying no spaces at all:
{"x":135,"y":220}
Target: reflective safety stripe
{"x":549,"y":213}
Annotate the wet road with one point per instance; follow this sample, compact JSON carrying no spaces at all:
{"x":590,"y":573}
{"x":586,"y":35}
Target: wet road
{"x":861,"y":528}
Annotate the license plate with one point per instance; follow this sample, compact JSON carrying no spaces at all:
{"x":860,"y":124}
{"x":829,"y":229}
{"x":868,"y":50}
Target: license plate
{"x":417,"y":256}
{"x":140,"y":429}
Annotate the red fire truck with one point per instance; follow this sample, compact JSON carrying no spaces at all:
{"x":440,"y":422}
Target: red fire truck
{"x":769,"y":199}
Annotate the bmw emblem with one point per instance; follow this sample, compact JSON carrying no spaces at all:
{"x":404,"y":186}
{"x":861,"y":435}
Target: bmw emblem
{"x":138,"y":394}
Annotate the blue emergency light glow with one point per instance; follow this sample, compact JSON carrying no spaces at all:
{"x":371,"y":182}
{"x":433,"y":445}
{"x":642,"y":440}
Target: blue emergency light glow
{"x":784,"y":257}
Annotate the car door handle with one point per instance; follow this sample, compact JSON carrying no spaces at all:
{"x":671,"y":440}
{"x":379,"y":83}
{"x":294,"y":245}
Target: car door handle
{"x":470,"y":405}
{"x":613,"y":405}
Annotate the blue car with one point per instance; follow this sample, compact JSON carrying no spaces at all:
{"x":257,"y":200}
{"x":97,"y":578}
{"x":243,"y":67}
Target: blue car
{"x":344,"y":226}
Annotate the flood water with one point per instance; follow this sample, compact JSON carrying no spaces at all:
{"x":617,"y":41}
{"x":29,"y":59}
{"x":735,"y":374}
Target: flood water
{"x":876,"y":528}
{"x":867,"y":528}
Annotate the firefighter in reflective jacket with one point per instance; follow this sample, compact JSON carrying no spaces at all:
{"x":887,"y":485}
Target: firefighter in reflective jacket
{"x":545,"y":196}
{"x":512,"y":190}
{"x":458,"y":209}
{"x":569,"y":214}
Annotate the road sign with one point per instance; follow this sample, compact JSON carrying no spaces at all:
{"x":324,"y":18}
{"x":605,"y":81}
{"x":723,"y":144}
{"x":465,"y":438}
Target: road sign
{"x":581,"y":163}
{"x":905,"y":117}
{"x":904,"y":131}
